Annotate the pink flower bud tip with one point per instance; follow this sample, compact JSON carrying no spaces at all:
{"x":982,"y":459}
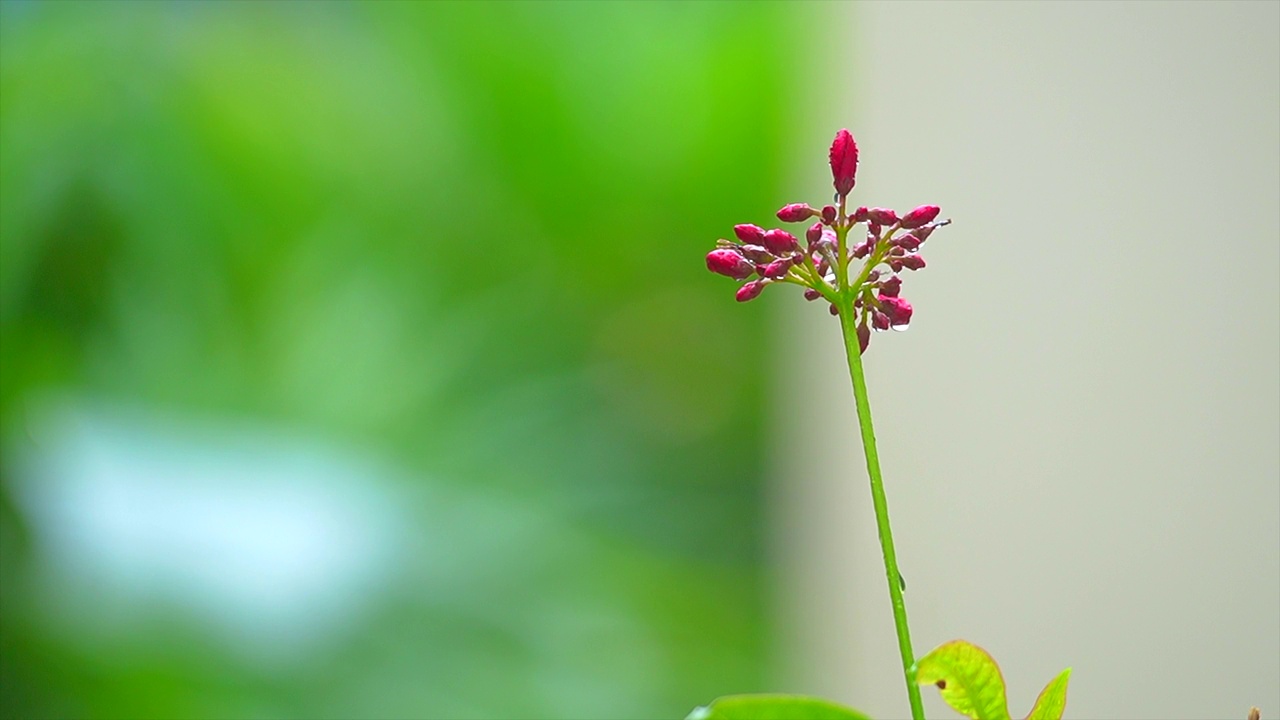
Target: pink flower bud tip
{"x":882,"y":216}
{"x":879,"y":320}
{"x":813,"y":234}
{"x":779,"y":242}
{"x":747,"y":233}
{"x":796,"y":212}
{"x":913,"y":262}
{"x":750,"y":291}
{"x":891,"y":287}
{"x":729,"y":263}
{"x":898,"y":310}
{"x":859,"y":215}
{"x":828,"y":214}
{"x":920,"y":216}
{"x":844,"y":162}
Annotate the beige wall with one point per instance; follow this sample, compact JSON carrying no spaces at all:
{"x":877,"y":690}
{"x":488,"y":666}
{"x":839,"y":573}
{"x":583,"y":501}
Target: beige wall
{"x":1080,"y":432}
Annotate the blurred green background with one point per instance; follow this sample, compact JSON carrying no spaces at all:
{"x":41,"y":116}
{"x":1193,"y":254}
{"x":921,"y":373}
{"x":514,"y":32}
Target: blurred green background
{"x":358,"y":360}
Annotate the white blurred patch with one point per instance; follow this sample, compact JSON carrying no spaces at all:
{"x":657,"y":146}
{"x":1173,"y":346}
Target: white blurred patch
{"x":270,"y":542}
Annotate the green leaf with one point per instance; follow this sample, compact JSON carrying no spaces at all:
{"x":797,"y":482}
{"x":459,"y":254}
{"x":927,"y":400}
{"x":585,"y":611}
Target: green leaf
{"x":773,"y":707}
{"x":1052,"y":700}
{"x":968,"y":678}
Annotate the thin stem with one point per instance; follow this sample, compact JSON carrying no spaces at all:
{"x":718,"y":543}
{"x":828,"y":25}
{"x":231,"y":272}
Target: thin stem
{"x":847,"y":324}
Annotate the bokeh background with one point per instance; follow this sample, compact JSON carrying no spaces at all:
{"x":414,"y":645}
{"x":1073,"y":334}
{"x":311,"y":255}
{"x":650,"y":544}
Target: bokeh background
{"x":358,"y":360}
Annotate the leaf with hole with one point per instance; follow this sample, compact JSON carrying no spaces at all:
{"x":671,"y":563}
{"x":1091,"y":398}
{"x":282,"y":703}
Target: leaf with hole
{"x":967,"y":677}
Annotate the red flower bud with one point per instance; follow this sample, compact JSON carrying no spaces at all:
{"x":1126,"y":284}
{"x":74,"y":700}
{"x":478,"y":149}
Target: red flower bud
{"x":778,"y":268}
{"x":907,"y":242}
{"x":811,"y":294}
{"x":779,"y":242}
{"x":924,"y":232}
{"x":844,"y":162}
{"x":898,"y":310}
{"x":833,"y":310}
{"x":882,"y":216}
{"x":891,"y":287}
{"x":913,"y":262}
{"x":828,"y":214}
{"x":862,"y":250}
{"x":920,"y":216}
{"x":749,"y":233}
{"x":864,"y":338}
{"x":813,"y":234}
{"x":859,"y":215}
{"x":797,"y":212}
{"x":750,"y":291}
{"x":756,"y":254}
{"x":879,"y":320}
{"x":729,"y":263}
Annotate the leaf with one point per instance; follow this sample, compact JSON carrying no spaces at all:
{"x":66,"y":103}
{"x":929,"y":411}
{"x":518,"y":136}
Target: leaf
{"x":968,"y":678}
{"x":773,"y":707}
{"x":1052,"y":700}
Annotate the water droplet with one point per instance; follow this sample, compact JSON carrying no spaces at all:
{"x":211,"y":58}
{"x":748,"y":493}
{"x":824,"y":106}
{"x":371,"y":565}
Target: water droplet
{"x":902,"y":328}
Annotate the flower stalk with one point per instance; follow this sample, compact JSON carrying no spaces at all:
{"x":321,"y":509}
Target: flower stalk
{"x":881,"y":504}
{"x":868,"y":301}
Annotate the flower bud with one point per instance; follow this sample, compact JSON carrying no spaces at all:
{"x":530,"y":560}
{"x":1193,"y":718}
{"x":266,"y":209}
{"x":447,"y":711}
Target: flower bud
{"x":873,"y":276}
{"x":895,"y":265}
{"x":829,"y":214}
{"x":862,"y":250}
{"x":813,"y":234}
{"x":859,"y":215}
{"x":844,"y":162}
{"x":920,"y":216}
{"x":833,"y":310}
{"x":748,"y":233}
{"x":729,"y":263}
{"x":879,"y":320}
{"x":864,"y":338}
{"x":779,"y":242}
{"x":750,"y":291}
{"x":925,"y":231}
{"x":811,"y":294}
{"x":796,"y":212}
{"x":891,"y":287}
{"x":908,"y":242}
{"x":898,"y":310}
{"x":778,"y":268}
{"x":913,"y":262}
{"x":882,"y":216}
{"x":756,"y":254}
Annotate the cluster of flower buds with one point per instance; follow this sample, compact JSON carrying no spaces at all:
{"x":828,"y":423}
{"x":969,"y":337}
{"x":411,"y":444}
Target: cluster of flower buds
{"x":856,"y":274}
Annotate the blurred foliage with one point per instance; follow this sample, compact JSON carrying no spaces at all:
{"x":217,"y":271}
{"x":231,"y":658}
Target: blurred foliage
{"x":466,"y":237}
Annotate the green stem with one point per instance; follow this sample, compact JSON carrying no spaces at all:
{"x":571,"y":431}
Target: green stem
{"x":847,"y":324}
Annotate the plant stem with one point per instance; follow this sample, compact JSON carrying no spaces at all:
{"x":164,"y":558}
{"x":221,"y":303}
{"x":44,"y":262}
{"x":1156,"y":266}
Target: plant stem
{"x":847,"y":320}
